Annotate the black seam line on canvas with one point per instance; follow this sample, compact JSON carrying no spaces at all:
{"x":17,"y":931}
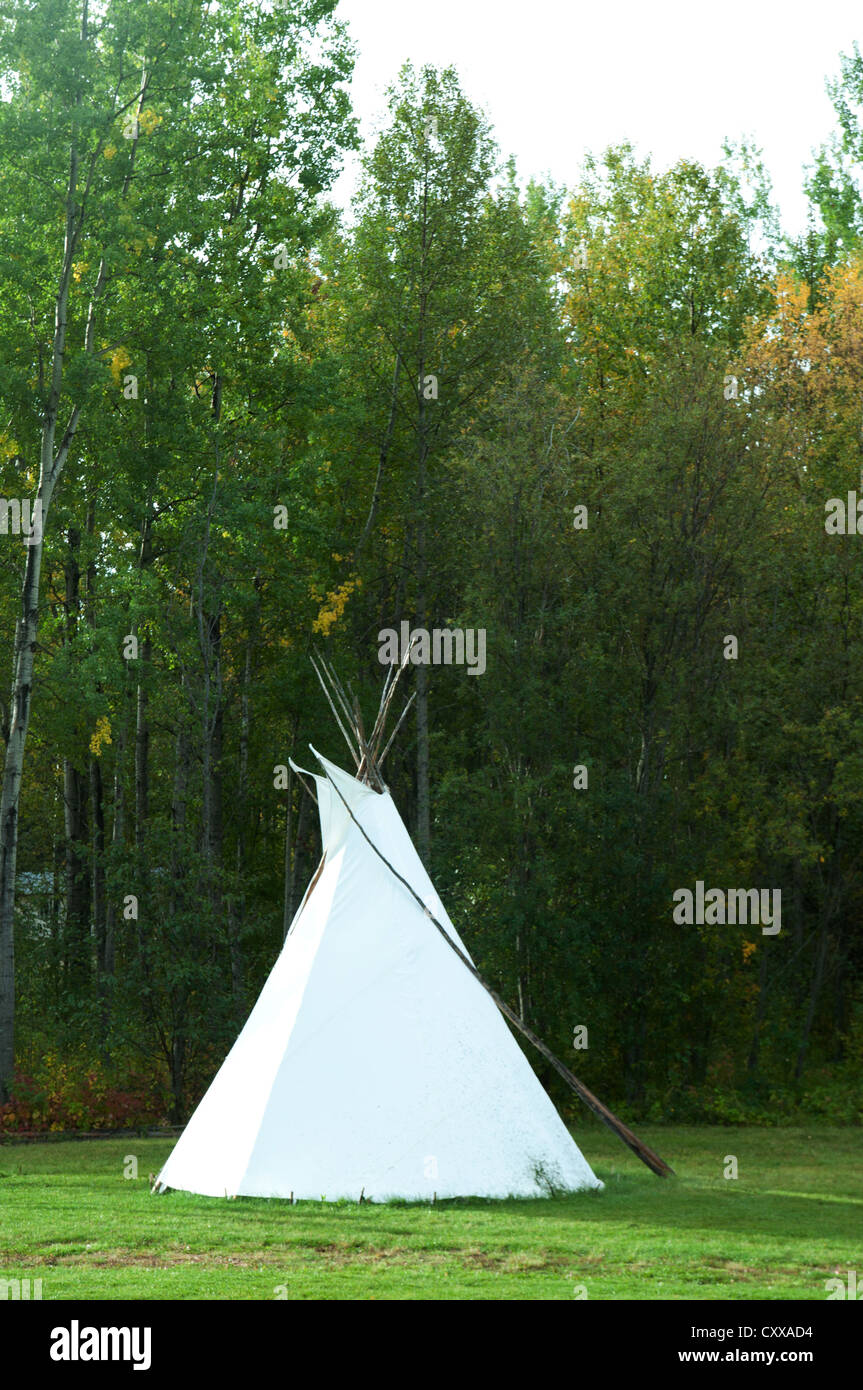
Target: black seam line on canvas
{"x":641,"y":1150}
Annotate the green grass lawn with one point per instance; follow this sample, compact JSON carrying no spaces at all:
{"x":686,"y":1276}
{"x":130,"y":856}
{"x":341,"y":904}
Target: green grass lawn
{"x":792,"y":1219}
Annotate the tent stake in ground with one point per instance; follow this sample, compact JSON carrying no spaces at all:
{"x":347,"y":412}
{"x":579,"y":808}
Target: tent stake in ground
{"x":375,"y":1063}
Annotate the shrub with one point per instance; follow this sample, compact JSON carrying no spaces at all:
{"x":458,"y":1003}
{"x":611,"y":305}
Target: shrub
{"x":82,"y":1093}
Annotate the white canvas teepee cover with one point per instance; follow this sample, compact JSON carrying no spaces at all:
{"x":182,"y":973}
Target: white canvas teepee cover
{"x":373,"y":1062}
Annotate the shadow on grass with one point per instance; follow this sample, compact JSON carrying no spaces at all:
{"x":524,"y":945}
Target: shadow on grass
{"x":631,"y":1201}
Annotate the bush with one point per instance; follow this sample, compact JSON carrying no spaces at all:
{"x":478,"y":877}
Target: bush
{"x":835,"y":1098}
{"x":82,"y":1094}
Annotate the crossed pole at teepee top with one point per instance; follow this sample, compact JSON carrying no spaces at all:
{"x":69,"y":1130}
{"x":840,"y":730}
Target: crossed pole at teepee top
{"x":365,"y":755}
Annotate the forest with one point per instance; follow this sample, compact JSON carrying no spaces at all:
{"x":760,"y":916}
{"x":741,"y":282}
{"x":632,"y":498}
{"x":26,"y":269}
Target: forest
{"x":611,"y":432}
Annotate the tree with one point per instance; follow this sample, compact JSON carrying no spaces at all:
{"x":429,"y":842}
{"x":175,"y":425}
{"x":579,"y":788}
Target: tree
{"x":136,"y":100}
{"x":431,"y":294}
{"x":833,"y":183}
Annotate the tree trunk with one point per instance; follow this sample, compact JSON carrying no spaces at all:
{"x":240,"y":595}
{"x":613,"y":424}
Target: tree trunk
{"x":760,"y":1011}
{"x":212,"y":724}
{"x":814,"y":995}
{"x":383,"y":456}
{"x":299,"y":857}
{"x":57,"y":880}
{"x":76,"y":946}
{"x":52,"y":461}
{"x":117,"y":831}
{"x":288,"y":905}
{"x":422,"y":681}
{"x":178,"y":1070}
{"x":423,"y":787}
{"x":97,"y":822}
{"x":236,"y":911}
{"x":75,"y":797}
{"x":18,"y":716}
{"x":142,"y":752}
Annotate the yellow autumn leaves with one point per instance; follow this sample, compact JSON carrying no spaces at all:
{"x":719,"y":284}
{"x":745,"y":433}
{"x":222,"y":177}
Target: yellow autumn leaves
{"x":333,"y":606}
{"x":8,"y":447}
{"x":101,"y":735}
{"x":147,"y":122}
{"x":825,"y":340}
{"x":118,"y":362}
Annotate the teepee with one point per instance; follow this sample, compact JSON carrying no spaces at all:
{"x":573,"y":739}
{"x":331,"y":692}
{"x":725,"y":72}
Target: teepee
{"x":375,"y":1064}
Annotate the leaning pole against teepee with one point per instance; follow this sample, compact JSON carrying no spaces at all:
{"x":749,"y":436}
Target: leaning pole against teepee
{"x":375,"y":1063}
{"x":367,"y":759}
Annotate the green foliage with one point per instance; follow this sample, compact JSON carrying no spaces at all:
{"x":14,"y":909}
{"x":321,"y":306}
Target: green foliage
{"x":81,"y":1093}
{"x":255,"y":355}
{"x":833,"y":183}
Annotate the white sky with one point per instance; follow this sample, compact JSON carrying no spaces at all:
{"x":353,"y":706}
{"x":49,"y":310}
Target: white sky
{"x":559,"y":77}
